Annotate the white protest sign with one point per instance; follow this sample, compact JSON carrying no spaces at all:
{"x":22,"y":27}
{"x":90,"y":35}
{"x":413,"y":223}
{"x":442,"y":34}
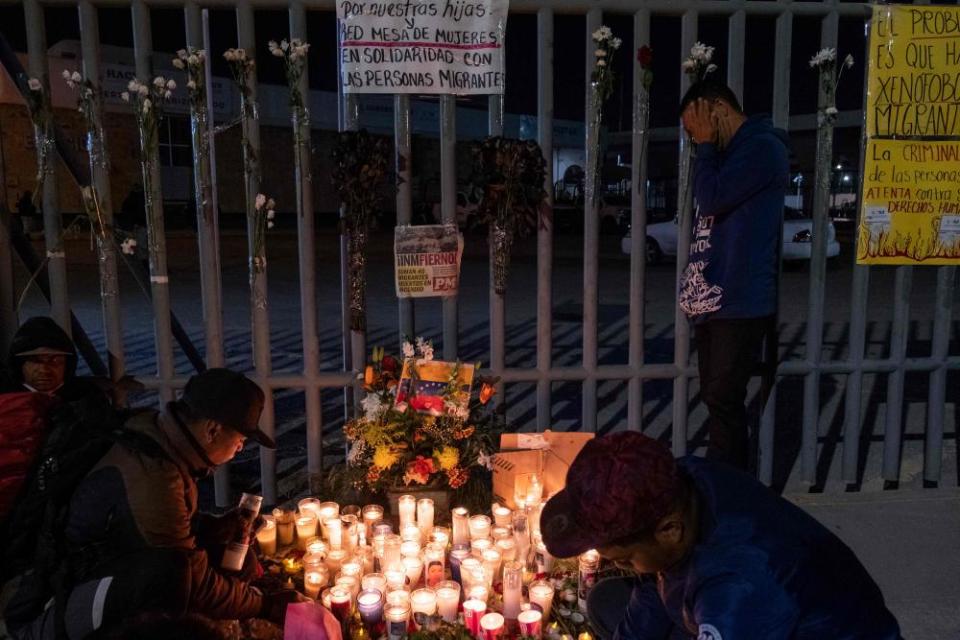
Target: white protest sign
{"x":422,"y":46}
{"x":427,"y":260}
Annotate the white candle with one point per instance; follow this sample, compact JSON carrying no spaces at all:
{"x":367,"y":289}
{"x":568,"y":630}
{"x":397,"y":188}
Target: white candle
{"x":334,"y":560}
{"x":425,"y":516}
{"x":479,"y":527}
{"x":372,"y":514}
{"x":534,"y":491}
{"x":314,"y":561}
{"x":448,"y":600}
{"x":491,"y":626}
{"x":434,"y":559}
{"x":407,"y":506}
{"x":352,"y":567}
{"x":349,"y":526}
{"x":507,"y":548}
{"x":313,"y":581}
{"x":541,"y":595}
{"x":512,"y":589}
{"x":491,"y":561}
{"x":370,"y":606}
{"x":306,"y":528}
{"x":410,"y":533}
{"x":468,"y":567}
{"x":309,"y":504}
{"x":396,"y":576}
{"x":391,"y":550}
{"x":285,"y":526}
{"x":531,"y":623}
{"x":267,"y":536}
{"x":333,"y":528}
{"x":325,"y":511}
{"x":441,"y":536}
{"x":473,"y":611}
{"x":316,"y":545}
{"x":398,"y":597}
{"x":410,"y":548}
{"x":461,"y":529}
{"x":499,"y":533}
{"x":349,"y":582}
{"x":366,"y":554}
{"x":414,"y":569}
{"x":479,"y":592}
{"x":477,"y":547}
{"x":501,"y":515}
{"x":423,"y":601}
{"x":374,"y":581}
{"x":397,"y":617}
{"x":543,"y":559}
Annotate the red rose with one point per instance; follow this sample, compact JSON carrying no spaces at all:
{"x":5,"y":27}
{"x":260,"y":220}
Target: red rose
{"x":645,"y":56}
{"x":389,"y":363}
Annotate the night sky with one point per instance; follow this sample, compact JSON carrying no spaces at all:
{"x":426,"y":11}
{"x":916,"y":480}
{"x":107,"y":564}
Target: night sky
{"x":521,"y":96}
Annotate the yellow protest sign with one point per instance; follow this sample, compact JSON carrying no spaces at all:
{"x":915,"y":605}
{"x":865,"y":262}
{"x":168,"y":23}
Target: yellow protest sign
{"x":910,"y":202}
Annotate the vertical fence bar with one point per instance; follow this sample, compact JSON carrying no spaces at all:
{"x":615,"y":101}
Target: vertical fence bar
{"x":153,"y":200}
{"x":781,"y":68}
{"x":681,"y":331}
{"x":306,"y":248}
{"x":497,"y":301}
{"x":638,"y":224}
{"x":207,"y":236}
{"x":403,"y":159}
{"x":448,"y":209}
{"x":545,"y":226}
{"x":259,"y":309}
{"x":8,"y":311}
{"x":736,"y":37}
{"x":818,"y":273}
{"x":899,"y":335}
{"x":591,"y":230}
{"x":52,"y":229}
{"x":936,"y":396}
{"x":99,"y":173}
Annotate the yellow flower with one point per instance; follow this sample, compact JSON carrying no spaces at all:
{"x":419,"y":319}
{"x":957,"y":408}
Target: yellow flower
{"x":447,"y":457}
{"x":384,"y":457}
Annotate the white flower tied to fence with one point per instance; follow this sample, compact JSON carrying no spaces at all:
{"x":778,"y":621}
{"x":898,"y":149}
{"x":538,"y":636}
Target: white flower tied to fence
{"x":601,"y":87}
{"x":38,"y":105}
{"x":264,"y":215}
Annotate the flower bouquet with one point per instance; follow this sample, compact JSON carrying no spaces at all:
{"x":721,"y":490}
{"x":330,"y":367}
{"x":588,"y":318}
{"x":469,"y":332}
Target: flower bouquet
{"x":421,"y":428}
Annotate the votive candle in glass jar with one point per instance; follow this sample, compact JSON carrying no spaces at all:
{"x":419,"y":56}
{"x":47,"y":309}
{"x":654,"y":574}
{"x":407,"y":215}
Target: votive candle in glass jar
{"x":499,"y":533}
{"x":458,"y":555}
{"x":441,"y":536}
{"x":372,"y":513}
{"x":397,"y":617}
{"x":285,"y":526}
{"x":468,"y":566}
{"x":589,"y":565}
{"x":374,"y":581}
{"x":473,"y":611}
{"x":333,"y":531}
{"x":352,"y":567}
{"x":334,"y":560}
{"x":512,"y":590}
{"x":425,"y":511}
{"x":309,"y":504}
{"x":267,"y":536}
{"x":507,"y":548}
{"x":541,"y":595}
{"x":397,"y":596}
{"x":370,"y":606}
{"x":349,"y":531}
{"x":410,"y":533}
{"x":530,"y":623}
{"x":413,"y":567}
{"x":491,"y":561}
{"x":325,"y":511}
{"x":313,"y":582}
{"x":396,"y":576}
{"x":391,"y":550}
{"x":479,"y":592}
{"x":306,"y":528}
{"x":433,"y":558}
{"x":478,"y":546}
{"x":407,"y":506}
{"x":542,"y":558}
{"x":423,"y":601}
{"x":316,"y":545}
{"x":491,"y":626}
{"x":448,"y":600}
{"x":410,"y":548}
{"x":341,"y":603}
{"x":461,"y":526}
{"x":479,"y":527}
{"x":501,"y":516}
{"x":350,"y":582}
{"x":314,"y":562}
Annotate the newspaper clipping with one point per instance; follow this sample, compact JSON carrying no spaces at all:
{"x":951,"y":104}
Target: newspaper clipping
{"x":427,"y":259}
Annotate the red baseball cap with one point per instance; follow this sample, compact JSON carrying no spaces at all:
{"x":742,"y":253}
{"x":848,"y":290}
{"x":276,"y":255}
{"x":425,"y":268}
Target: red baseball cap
{"x":617,"y":486}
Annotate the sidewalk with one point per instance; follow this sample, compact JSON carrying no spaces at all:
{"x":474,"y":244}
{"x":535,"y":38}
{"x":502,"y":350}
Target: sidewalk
{"x":910,"y":543}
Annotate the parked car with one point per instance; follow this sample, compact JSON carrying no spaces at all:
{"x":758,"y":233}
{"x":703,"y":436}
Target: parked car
{"x":797,"y":235}
{"x":467,"y":206}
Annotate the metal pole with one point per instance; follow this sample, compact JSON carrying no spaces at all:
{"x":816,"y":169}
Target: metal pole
{"x":306,"y":243}
{"x":497,"y":301}
{"x":99,"y":172}
{"x":545,"y":228}
{"x":403,"y":159}
{"x":818,"y":271}
{"x":638,"y":224}
{"x":259,"y":309}
{"x":591,"y":230}
{"x":153,"y":199}
{"x":448,"y":209}
{"x":8,"y":311}
{"x":681,"y":342}
{"x":781,"y":66}
{"x":936,"y":396}
{"x":736,"y":37}
{"x":899,"y":335}
{"x":52,"y":228}
{"x":207,"y":234}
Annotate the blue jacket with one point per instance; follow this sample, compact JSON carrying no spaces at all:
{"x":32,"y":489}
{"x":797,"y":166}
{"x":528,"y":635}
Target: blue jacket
{"x":735,"y":241}
{"x":763,"y":569}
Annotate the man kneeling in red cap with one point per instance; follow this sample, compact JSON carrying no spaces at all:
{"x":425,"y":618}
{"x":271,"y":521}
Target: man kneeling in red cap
{"x":720,"y":556}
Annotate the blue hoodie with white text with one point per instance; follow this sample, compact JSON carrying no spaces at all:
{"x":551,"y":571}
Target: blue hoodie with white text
{"x":739,"y":193}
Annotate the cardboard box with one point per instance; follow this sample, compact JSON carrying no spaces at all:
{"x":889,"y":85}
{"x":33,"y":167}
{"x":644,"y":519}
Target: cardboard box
{"x":548,"y":454}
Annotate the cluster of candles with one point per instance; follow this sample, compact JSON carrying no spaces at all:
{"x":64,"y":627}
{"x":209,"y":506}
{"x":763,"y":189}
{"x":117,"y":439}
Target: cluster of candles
{"x":354,"y":562}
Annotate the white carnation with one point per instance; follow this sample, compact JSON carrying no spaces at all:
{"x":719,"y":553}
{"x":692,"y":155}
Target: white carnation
{"x":34,"y":84}
{"x":66,"y":75}
{"x":615,"y":43}
{"x":178,"y":63}
{"x":125,"y":96}
{"x":159,"y":82}
{"x":191,"y":85}
{"x":260,"y":201}
{"x":171,"y":85}
{"x":76,"y":77}
{"x":408,"y":350}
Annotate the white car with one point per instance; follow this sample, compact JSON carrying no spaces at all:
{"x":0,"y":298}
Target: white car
{"x":797,"y":233}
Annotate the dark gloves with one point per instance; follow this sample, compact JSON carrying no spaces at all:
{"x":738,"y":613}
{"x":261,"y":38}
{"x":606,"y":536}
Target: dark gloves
{"x":275,"y":604}
{"x":224,"y":529}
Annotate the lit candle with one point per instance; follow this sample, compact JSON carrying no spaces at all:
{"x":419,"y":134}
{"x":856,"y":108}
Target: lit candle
{"x":589,"y":564}
{"x":534,"y":491}
{"x":350,"y":582}
{"x":501,"y":515}
{"x":521,"y":534}
{"x":397,"y":616}
{"x":413,"y":567}
{"x":458,"y":555}
{"x":491,"y":626}
{"x":531,"y":623}
{"x":398,"y":597}
{"x":473,"y":611}
{"x":410,"y":533}
{"x":291,"y":567}
{"x":407,"y":506}
{"x":423,"y":601}
{"x":325,"y":599}
{"x":541,"y":596}
{"x":425,"y":516}
{"x":316,"y":545}
{"x":396,"y":575}
{"x":366,"y":554}
{"x":410,"y":548}
{"x":441,"y":536}
{"x":349,"y":527}
{"x":333,"y":530}
{"x":306,"y":528}
{"x":285,"y":526}
{"x":433,"y":558}
{"x":479,"y":527}
{"x":478,"y":546}
{"x":335,"y":559}
{"x":372,"y":513}
{"x":468,"y":566}
{"x":326,"y":511}
{"x":499,"y":533}
{"x":448,"y":600}
{"x":370,"y":606}
{"x":491,"y":561}
{"x":309,"y":504}
{"x":382,"y":528}
{"x":543,"y":559}
{"x":314,"y":562}
{"x":313,"y":581}
{"x":533,"y":518}
{"x":391,"y":551}
{"x":341,"y":602}
{"x":352,"y":567}
{"x":267,"y":536}
{"x":374,"y":581}
{"x":479,"y":592}
{"x":512,"y":590}
{"x":461,"y":528}
{"x":507,"y":548}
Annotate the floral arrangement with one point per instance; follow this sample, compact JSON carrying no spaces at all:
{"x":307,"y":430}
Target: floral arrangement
{"x":392,"y":447}
{"x":359,"y":168}
{"x":193,"y":61}
{"x":294,"y":54}
{"x":512,"y":172}
{"x":263,"y":215}
{"x":824,"y":61}
{"x":698,"y":64}
{"x":87,"y":105}
{"x":38,"y":104}
{"x":241,"y":68}
{"x":603,"y":76}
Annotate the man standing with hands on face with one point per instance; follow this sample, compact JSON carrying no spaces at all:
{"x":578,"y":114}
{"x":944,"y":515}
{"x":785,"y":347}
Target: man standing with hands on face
{"x":729,"y":288}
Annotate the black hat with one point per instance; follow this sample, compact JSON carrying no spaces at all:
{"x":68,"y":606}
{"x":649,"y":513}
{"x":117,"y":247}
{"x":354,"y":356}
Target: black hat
{"x":38,"y":336}
{"x":230,"y":398}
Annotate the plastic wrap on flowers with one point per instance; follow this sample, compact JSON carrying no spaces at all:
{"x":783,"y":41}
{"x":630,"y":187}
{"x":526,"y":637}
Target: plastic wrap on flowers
{"x":358,"y":279}
{"x":594,"y":155}
{"x":502,"y":246}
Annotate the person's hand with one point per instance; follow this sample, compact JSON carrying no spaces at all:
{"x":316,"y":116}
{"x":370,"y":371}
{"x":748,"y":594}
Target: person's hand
{"x":700,"y":122}
{"x":274,"y":606}
{"x":223,"y":529}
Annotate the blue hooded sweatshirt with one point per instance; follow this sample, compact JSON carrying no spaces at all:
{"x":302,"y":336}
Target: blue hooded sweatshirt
{"x":762,"y":569}
{"x":738,"y":192}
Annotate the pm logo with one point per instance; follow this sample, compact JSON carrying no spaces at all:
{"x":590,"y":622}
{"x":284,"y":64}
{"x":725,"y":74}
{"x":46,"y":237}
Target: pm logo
{"x":709,"y":632}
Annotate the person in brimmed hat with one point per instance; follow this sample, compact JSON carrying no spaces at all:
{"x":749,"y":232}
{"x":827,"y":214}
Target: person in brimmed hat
{"x":137,"y":542}
{"x":720,"y":556}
